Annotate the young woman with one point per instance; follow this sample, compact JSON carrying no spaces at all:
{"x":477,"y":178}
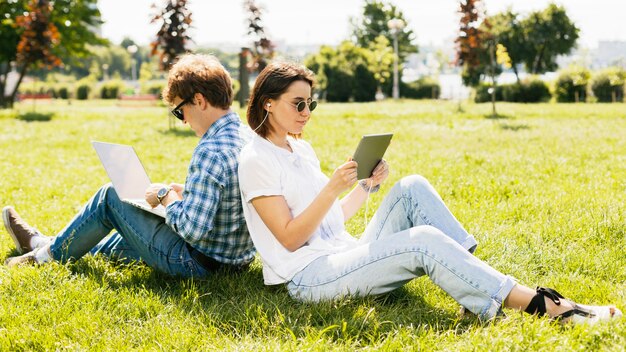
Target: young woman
{"x":297,"y":221}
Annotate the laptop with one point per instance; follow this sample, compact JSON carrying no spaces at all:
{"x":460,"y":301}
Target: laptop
{"x":127,"y":175}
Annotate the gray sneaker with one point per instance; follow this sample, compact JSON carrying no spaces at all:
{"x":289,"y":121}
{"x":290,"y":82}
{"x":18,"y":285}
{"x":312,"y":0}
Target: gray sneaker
{"x":19,"y":230}
{"x":26,"y":259}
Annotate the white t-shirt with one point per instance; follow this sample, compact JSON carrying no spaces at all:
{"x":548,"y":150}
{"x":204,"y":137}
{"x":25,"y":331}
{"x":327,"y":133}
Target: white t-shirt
{"x":267,"y":170}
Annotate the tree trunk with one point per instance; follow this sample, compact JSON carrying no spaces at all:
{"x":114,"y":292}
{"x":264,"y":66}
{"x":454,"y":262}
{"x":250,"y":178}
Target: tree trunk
{"x":538,"y":59}
{"x":492,"y":58}
{"x":514,"y":67}
{"x":19,"y":81}
{"x":5,"y":68}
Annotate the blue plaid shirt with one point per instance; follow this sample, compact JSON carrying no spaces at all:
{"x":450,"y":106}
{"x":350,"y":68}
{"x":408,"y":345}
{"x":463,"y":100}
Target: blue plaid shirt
{"x":210,"y":216}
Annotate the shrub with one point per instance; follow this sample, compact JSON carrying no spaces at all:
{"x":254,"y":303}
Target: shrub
{"x":82,"y":91}
{"x":570,"y":84}
{"x":339,"y":88}
{"x":63,"y":92}
{"x":111,"y":89}
{"x":483,"y":95}
{"x":423,"y":88}
{"x":608,"y":85}
{"x":528,"y":91}
{"x":365,"y":85}
{"x":153,"y":87}
{"x":535,"y":91}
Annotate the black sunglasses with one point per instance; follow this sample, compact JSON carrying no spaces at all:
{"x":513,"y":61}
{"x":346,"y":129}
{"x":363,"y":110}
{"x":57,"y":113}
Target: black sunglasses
{"x":302,"y":104}
{"x":178,"y":112}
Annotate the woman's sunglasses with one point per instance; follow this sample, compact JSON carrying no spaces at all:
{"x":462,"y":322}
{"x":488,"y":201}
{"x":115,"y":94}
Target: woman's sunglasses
{"x":178,"y":112}
{"x":302,"y":104}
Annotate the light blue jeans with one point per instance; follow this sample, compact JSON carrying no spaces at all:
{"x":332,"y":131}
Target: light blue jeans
{"x":412,"y":234}
{"x":140,"y":236}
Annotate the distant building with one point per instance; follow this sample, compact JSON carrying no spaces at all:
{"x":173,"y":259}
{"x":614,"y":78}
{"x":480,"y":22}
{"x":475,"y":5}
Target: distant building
{"x":610,"y":53}
{"x":11,"y":82}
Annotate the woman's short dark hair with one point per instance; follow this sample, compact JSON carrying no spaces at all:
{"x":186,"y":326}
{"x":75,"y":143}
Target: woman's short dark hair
{"x":271,"y":83}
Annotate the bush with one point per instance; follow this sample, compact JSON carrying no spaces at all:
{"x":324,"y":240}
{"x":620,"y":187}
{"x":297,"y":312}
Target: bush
{"x":423,"y":88}
{"x":570,"y":84}
{"x":483,"y":95}
{"x":82,"y":91}
{"x":339,"y":88}
{"x":365,"y":85}
{"x":153,"y":87}
{"x":608,"y":85}
{"x":63,"y":93}
{"x":111,"y":89}
{"x":535,"y":91}
{"x":529,"y":91}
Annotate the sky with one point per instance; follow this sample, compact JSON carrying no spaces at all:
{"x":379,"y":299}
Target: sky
{"x":313,"y":22}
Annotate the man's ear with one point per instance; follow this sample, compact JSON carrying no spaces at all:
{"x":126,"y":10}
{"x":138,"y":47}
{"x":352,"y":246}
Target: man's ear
{"x":200,"y":100}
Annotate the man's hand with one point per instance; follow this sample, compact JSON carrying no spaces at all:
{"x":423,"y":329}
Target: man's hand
{"x":151,"y":194}
{"x":178,"y":188}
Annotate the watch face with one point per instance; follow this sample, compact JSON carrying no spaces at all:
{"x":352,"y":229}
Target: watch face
{"x":162,"y":192}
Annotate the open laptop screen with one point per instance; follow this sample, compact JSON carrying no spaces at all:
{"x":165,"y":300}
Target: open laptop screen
{"x":124,"y":168}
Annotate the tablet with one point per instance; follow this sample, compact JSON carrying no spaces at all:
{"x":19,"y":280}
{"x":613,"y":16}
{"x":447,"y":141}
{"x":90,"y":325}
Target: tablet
{"x":369,"y":152}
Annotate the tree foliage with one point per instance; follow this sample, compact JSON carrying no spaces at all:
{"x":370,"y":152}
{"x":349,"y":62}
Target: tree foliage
{"x":262,"y":47}
{"x":536,"y":40}
{"x":472,"y":54}
{"x":40,"y":35}
{"x":351,"y":72}
{"x":72,"y":22}
{"x":172,"y":37}
{"x":373,"y":23}
{"x":549,"y":33}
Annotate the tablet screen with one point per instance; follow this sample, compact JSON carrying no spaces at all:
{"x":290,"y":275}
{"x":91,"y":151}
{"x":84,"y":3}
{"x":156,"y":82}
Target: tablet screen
{"x":369,"y":152}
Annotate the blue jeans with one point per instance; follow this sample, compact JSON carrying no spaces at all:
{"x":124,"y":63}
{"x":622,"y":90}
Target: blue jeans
{"x":412,"y":234}
{"x":140,"y":236}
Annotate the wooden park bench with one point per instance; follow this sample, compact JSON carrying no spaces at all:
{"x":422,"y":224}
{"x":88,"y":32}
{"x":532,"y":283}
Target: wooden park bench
{"x":149,"y":98}
{"x":37,"y":96}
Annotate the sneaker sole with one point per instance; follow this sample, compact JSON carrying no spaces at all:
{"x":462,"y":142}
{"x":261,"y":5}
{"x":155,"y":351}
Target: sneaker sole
{"x":5,"y":220}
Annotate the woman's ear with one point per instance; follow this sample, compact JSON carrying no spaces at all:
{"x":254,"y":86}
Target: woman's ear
{"x":267,"y":106}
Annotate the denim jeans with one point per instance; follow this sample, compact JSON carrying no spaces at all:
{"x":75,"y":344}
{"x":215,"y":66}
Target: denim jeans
{"x":412,"y":234}
{"x":140,"y":236}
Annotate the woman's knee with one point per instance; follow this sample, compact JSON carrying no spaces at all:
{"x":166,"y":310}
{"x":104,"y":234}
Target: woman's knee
{"x":428,"y":234}
{"x":414,"y":185}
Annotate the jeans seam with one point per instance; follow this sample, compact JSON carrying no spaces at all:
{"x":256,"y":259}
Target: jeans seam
{"x":423,"y":252}
{"x":71,"y":235}
{"x":140,"y":238}
{"x":384,"y":221}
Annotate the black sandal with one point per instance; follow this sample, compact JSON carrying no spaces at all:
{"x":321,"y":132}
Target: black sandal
{"x":580,"y":314}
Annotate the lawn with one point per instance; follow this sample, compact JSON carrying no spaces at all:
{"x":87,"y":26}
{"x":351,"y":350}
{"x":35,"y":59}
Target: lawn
{"x":542,"y":187}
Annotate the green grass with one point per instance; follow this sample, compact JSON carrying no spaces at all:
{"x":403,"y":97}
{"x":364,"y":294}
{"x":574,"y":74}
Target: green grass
{"x":542,"y":187}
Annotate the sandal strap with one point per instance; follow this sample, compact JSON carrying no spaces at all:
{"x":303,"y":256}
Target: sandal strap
{"x":537,"y":304}
{"x":578,"y":310}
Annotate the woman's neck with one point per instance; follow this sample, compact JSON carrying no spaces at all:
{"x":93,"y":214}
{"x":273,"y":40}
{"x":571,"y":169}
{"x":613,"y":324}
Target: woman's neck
{"x":280,"y":141}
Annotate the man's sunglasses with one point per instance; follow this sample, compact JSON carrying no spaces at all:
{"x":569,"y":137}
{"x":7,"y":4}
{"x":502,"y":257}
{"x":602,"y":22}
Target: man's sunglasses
{"x":302,"y":104}
{"x":178,"y":112}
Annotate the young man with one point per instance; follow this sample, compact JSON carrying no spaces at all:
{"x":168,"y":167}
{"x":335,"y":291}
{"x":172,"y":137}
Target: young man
{"x":204,"y":229}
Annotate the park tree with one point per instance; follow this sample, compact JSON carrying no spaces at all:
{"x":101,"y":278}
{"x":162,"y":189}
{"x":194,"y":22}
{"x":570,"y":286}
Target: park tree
{"x":537,"y":40}
{"x":171,"y":39}
{"x":376,"y":15}
{"x":549,"y":33}
{"x":262,"y":47}
{"x":73,"y":20}
{"x":472,"y":49}
{"x":509,"y":32}
{"x":349,"y":71}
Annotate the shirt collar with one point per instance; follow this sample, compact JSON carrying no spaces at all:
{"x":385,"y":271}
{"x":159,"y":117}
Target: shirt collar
{"x":230,"y":117}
